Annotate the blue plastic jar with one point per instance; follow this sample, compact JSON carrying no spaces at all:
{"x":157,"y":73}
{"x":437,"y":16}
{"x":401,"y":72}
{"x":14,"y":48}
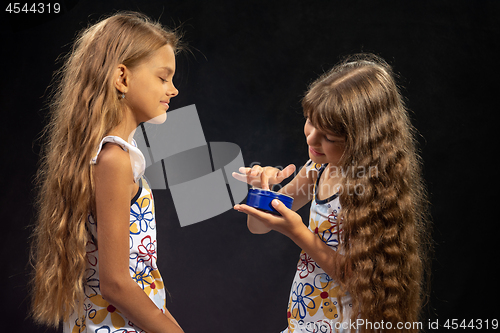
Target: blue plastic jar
{"x":261,"y":199}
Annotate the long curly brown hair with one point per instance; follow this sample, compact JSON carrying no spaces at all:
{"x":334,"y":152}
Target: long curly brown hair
{"x":385,"y":234}
{"x":84,"y":107}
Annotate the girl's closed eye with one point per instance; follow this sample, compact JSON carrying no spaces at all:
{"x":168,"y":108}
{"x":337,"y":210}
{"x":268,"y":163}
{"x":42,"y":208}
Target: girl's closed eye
{"x":163,"y":80}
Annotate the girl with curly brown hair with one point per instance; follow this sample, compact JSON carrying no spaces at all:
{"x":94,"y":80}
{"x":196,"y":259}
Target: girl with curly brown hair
{"x":363,"y":256}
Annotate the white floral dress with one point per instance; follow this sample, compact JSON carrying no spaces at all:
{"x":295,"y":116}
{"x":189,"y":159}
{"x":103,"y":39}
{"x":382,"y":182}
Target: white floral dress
{"x":98,"y":315}
{"x":314,"y":298}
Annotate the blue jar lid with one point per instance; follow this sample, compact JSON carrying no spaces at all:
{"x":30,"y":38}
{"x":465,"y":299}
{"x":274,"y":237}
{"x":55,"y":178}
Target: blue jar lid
{"x":261,"y":199}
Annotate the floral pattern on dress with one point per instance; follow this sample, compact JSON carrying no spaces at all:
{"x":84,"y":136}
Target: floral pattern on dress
{"x":106,"y":309}
{"x":306,"y":265}
{"x":98,"y":314}
{"x":141,"y":216}
{"x":314,"y":297}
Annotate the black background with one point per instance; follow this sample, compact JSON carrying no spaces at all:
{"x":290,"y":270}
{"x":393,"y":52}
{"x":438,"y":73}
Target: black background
{"x":251,"y":62}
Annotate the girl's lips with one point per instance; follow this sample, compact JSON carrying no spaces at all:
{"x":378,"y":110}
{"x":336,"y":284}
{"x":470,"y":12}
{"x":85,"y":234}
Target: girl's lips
{"x":315,"y":152}
{"x":164,"y":103}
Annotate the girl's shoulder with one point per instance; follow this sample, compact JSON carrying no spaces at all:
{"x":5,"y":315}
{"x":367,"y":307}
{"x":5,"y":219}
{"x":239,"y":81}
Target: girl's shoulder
{"x":112,"y":159}
{"x":115,"y":141}
{"x":112,"y":153}
{"x":115,"y":152}
{"x":113,"y":173}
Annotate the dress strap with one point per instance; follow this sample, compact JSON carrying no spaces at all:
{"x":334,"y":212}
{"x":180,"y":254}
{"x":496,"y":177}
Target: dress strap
{"x":136,"y":157}
{"x":312,"y":169}
{"x":316,"y":188}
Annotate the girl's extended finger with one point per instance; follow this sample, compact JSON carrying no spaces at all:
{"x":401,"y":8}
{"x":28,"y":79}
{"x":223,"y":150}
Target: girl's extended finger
{"x":258,"y":214}
{"x":286,"y":172}
{"x":246,"y":209}
{"x":240,"y":177}
{"x":264,"y":181}
{"x":244,"y":170}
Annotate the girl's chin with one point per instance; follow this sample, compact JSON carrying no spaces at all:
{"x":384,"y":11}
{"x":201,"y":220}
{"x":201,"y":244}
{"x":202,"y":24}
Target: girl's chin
{"x":160,"y":119}
{"x":317,"y":159}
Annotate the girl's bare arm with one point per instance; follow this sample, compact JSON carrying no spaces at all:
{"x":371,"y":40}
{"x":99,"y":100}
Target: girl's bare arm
{"x":290,"y":224}
{"x":114,"y":189}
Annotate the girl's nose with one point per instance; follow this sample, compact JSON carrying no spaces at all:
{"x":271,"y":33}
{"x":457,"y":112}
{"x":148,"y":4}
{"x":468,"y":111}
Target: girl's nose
{"x":172,"y":91}
{"x":312,"y":137}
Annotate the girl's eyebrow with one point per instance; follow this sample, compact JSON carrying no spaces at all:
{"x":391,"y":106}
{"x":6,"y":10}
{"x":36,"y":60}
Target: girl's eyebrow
{"x":336,"y":136}
{"x":168,"y":69}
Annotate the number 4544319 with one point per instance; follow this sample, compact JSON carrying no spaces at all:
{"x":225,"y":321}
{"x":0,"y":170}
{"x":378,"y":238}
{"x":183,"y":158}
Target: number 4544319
{"x":36,"y":8}
{"x":472,"y":324}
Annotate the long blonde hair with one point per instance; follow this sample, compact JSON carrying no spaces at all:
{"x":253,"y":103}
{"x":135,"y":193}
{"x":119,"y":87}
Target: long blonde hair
{"x":84,"y":107}
{"x":385,"y":230}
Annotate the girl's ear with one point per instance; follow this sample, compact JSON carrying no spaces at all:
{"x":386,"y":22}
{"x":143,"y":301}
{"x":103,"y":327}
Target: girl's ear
{"x":121,"y":78}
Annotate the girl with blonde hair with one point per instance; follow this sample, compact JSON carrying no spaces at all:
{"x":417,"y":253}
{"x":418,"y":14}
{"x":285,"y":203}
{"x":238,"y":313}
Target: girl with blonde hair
{"x":364,"y":250}
{"x":94,"y":244}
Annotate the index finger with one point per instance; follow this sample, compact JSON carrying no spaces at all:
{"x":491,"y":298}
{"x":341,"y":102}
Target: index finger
{"x":240,"y":177}
{"x":285,"y":173}
{"x":264,"y":181}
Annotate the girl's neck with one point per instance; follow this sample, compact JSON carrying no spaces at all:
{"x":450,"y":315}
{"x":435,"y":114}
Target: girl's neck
{"x":329,"y":184}
{"x":126,"y":128}
{"x":331,"y":171}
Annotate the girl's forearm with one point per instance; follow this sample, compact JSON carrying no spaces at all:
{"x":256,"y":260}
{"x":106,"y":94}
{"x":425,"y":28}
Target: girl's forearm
{"x":291,"y":225}
{"x":169,"y":315}
{"x":136,"y":306}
